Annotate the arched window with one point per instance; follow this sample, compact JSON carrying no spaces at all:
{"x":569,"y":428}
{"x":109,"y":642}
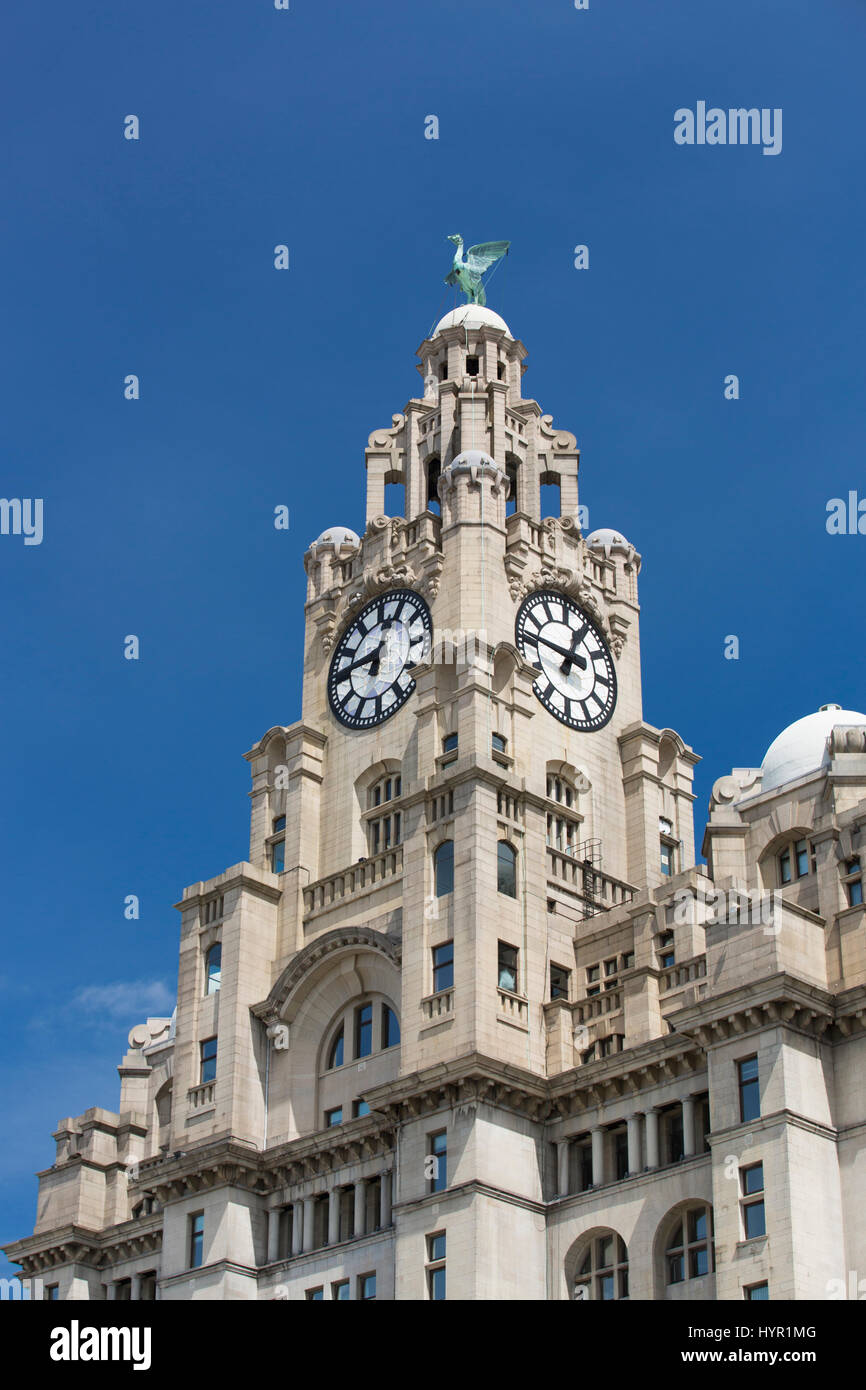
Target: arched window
{"x":390,"y":1027}
{"x":511,"y":466}
{"x":602,"y":1274}
{"x":433,"y":469}
{"x":443,"y":868}
{"x":689,"y":1247}
{"x":335,"y":1056}
{"x":213,"y":968}
{"x":506,"y":869}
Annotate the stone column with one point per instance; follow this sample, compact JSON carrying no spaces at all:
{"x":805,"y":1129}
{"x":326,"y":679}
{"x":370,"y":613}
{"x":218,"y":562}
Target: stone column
{"x":688,"y":1126}
{"x":651,"y":1118}
{"x":385,"y":1201}
{"x":633,"y":1143}
{"x":273,"y":1234}
{"x":309,"y":1208}
{"x":334,"y":1216}
{"x":562,"y":1148}
{"x":297,"y":1228}
{"x":136,"y":1288}
{"x":597,"y":1156}
{"x":358,"y":1224}
{"x":111,"y":1291}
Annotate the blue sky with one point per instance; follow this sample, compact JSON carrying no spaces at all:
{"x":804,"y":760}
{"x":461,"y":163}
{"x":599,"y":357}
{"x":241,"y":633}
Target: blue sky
{"x":258,"y":388}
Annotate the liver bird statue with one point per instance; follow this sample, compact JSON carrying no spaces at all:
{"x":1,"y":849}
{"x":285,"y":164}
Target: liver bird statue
{"x":467,"y":273}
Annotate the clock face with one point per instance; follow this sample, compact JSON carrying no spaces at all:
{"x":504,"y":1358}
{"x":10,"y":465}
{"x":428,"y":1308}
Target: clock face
{"x":370,"y":676}
{"x":576,"y":679}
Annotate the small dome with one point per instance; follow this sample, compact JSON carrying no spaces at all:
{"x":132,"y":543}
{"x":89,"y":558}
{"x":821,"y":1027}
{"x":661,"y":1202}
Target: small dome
{"x":471,"y":316}
{"x":337,"y":536}
{"x":802,"y":747}
{"x":611,"y":542}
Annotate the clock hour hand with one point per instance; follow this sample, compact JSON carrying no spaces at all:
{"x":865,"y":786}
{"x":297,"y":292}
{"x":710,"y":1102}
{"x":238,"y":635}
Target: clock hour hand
{"x":571,"y":657}
{"x":372,"y":659}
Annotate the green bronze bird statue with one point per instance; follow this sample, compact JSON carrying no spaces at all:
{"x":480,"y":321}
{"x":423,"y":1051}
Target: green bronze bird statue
{"x":467,"y":273}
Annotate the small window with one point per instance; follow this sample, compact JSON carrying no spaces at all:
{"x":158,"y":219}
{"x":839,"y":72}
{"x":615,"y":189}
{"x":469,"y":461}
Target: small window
{"x":213,"y":965}
{"x":443,"y":869}
{"x":208,"y":1054}
{"x":560,"y":980}
{"x":499,"y":743}
{"x":52,"y":1293}
{"x":754,"y":1293}
{"x":367,"y":1286}
{"x":667,"y":955}
{"x":334,"y":1117}
{"x":666,"y":854}
{"x":506,"y":869}
{"x":364,"y":1030}
{"x":507,"y":967}
{"x":443,"y":966}
{"x":610,"y":966}
{"x":335,"y":1056}
{"x":359,"y":1108}
{"x":196,"y":1239}
{"x":500,"y":371}
{"x":437,"y":1161}
{"x":471,"y":366}
{"x":785,"y":866}
{"x":340,"y":1290}
{"x":754,"y":1215}
{"x":750,"y":1092}
{"x":390,"y":1027}
{"x":278,"y":856}
{"x":854,"y":882}
{"x":801,"y":850}
{"x":443,"y":371}
{"x":593,"y":973}
{"x":316,"y":1295}
{"x":436,"y":1267}
{"x":449,"y":743}
{"x":628,"y":960}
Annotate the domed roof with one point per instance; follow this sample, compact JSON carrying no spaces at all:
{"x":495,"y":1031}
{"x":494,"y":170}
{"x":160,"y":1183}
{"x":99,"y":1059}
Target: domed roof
{"x":802,"y":747}
{"x":471,"y":316}
{"x":337,"y":536}
{"x":472,"y":458}
{"x":610,"y":541}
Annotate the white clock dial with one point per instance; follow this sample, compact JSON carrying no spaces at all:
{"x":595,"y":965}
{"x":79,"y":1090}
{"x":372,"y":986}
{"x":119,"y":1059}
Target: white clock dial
{"x":370,"y":674}
{"x":576,"y":680}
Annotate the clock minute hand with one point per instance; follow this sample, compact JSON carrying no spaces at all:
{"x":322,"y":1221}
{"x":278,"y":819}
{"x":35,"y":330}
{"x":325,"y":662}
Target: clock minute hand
{"x":371,"y":657}
{"x":571,"y":657}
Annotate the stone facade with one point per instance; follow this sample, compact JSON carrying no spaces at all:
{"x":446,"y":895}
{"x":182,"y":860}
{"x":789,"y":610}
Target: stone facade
{"x":630,"y":1053}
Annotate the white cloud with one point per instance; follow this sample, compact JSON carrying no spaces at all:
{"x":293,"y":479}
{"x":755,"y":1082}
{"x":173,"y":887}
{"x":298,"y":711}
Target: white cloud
{"x":130,"y":1000}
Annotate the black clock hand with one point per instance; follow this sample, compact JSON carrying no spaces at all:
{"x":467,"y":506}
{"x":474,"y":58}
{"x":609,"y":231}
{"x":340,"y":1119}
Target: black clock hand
{"x":375,"y":656}
{"x":571,"y":657}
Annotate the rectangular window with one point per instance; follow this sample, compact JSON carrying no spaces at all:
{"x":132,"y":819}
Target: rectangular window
{"x":147,"y":1286}
{"x":610,"y":967}
{"x":436,"y":1267}
{"x":449,"y":743}
{"x":754,"y":1220}
{"x":366,"y":1286}
{"x":359,"y":1108}
{"x":785,"y":866}
{"x":801,"y":850}
{"x":196,"y":1239}
{"x":443,"y":966}
{"x":753,"y":1179}
{"x":207,"y":1070}
{"x":560,"y":982}
{"x":667,"y":956}
{"x":364,"y":1030}
{"x":749,"y":1087}
{"x":340,"y":1290}
{"x":498,"y":743}
{"x":507,"y":967}
{"x":754,"y":1215}
{"x":628,"y":960}
{"x":52,"y":1293}
{"x":334,"y":1117}
{"x":854,"y":885}
{"x":593,"y":972}
{"x":315,"y":1295}
{"x":278,"y":856}
{"x":755,"y":1292}
{"x":438,"y":1160}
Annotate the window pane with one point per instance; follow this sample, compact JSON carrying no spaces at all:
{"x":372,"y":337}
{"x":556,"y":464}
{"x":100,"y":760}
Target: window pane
{"x":368,"y":1285}
{"x":697,"y":1225}
{"x":341,"y":1291}
{"x":336,"y":1057}
{"x":278,"y":856}
{"x":334,"y":1117}
{"x":755,"y":1221}
{"x":364,"y":1031}
{"x":279,"y":823}
{"x":437,"y":1285}
{"x":208,"y":1060}
{"x":506,"y":869}
{"x":449,"y":743}
{"x":214,"y":964}
{"x":855,"y":892}
{"x":443,"y":868}
{"x":750,"y":1095}
{"x":360,"y":1108}
{"x":439,"y":1162}
{"x":802,"y":858}
{"x":675,"y":1269}
{"x":390,"y":1027}
{"x":700,"y":1262}
{"x":507,"y":972}
{"x":753,"y":1178}
{"x":559,"y":982}
{"x":758,"y":1291}
{"x":607,"y":1287}
{"x":785,"y":866}
{"x":437,"y":1247}
{"x":605,"y":1251}
{"x":443,"y":966}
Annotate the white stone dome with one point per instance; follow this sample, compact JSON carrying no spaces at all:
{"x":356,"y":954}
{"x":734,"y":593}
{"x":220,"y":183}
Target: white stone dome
{"x":802,"y":747}
{"x":610,"y":542}
{"x":472,"y":459}
{"x":471,"y":316}
{"x":337,"y":536}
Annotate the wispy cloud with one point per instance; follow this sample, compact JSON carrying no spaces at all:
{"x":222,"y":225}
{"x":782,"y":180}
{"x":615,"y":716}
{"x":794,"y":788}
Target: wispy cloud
{"x":125,"y":999}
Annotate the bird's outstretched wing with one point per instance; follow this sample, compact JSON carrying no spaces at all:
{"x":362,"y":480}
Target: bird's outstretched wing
{"x":478,"y":258}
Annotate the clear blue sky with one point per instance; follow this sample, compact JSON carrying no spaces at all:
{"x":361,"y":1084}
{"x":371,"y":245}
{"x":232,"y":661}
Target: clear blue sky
{"x":258,"y":388}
